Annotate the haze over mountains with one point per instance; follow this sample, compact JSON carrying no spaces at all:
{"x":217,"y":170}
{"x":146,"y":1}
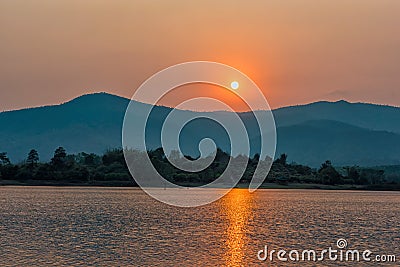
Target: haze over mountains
{"x":345,"y":133}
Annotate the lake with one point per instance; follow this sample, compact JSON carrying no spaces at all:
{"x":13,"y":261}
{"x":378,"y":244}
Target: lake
{"x":65,"y":226}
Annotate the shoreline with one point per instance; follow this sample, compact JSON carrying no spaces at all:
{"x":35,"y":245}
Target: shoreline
{"x":346,"y":187}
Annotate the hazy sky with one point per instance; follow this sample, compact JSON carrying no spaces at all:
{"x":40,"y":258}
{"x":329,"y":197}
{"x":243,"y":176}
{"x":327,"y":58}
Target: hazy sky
{"x":297,"y":51}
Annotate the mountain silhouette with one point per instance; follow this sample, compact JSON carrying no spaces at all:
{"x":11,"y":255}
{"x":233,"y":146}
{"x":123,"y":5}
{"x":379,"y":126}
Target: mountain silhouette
{"x":346,"y":133}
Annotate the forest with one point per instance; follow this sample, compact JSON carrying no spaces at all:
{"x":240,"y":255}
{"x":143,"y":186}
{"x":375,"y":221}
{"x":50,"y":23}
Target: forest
{"x":110,"y":169}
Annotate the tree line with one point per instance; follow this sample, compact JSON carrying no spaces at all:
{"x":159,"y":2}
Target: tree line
{"x":111,"y":168}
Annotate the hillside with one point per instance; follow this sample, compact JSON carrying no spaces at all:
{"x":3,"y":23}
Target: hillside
{"x":346,"y":133}
{"x":344,"y":144}
{"x":369,"y":116}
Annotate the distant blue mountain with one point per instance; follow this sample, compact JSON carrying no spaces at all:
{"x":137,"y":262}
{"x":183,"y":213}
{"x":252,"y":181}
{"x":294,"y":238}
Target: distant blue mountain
{"x":368,"y":116}
{"x":344,"y":144}
{"x":346,"y":133}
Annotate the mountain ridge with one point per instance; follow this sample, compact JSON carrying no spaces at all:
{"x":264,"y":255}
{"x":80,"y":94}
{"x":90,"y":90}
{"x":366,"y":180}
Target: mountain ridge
{"x":93,"y":122}
{"x":274,"y":109}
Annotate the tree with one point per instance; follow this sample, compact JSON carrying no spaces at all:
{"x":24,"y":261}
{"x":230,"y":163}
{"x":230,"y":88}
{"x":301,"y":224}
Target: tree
{"x":282,"y":159}
{"x":353,"y":174}
{"x":328,"y":174}
{"x":4,"y":160}
{"x":221,"y":156}
{"x":59,"y":157}
{"x":325,"y":165}
{"x":373,"y":176}
{"x":175,"y":155}
{"x":33,"y":158}
{"x":115,"y":155}
{"x":254,"y":161}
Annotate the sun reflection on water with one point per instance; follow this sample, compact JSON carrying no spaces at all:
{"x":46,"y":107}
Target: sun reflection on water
{"x":237,"y":207}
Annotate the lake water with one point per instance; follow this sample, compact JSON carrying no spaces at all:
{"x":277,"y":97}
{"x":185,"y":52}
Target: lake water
{"x":49,"y":226}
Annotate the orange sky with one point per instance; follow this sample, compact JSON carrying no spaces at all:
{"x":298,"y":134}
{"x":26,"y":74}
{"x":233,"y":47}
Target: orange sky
{"x":297,"y":51}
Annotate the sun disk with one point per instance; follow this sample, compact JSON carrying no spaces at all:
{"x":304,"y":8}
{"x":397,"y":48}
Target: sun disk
{"x":234,"y":85}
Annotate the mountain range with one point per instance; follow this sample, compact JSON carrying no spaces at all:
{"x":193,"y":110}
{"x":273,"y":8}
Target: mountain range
{"x":345,"y":133}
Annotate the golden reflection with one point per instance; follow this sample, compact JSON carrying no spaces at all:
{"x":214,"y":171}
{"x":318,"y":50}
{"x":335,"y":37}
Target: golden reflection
{"x":237,"y":206}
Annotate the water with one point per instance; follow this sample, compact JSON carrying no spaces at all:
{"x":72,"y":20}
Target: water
{"x":48,"y":226}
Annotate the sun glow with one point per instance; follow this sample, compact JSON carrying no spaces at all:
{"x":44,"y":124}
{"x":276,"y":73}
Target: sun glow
{"x":234,"y":85}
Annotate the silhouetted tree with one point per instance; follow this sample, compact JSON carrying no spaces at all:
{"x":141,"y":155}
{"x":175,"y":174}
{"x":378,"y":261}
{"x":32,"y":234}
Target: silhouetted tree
{"x":373,"y":176}
{"x":33,"y":158}
{"x":90,"y":159}
{"x":112,"y":156}
{"x":4,"y":160}
{"x":221,"y":156}
{"x":111,"y":169}
{"x":325,"y":165}
{"x":256,"y":157}
{"x":328,"y":174}
{"x":353,"y":174}
{"x":59,"y":157}
{"x":282,"y":159}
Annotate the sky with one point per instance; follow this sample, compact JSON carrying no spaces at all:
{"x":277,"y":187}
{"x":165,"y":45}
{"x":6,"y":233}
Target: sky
{"x":297,"y":51}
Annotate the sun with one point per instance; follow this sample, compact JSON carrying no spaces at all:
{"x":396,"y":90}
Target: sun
{"x":234,"y":85}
